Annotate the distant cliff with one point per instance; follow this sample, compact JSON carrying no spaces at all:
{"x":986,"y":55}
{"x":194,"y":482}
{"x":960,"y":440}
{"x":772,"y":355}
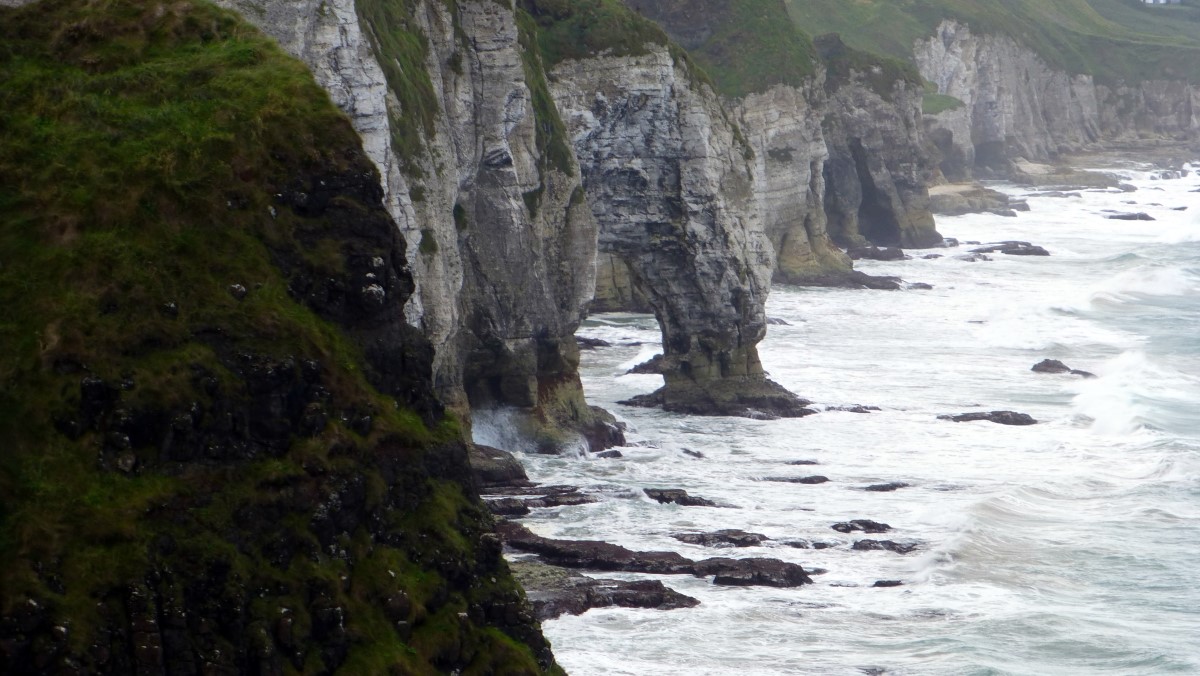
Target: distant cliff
{"x":1015,"y":105}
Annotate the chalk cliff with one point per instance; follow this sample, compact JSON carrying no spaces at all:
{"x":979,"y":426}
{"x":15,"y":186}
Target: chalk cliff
{"x":668,"y":177}
{"x":451,"y":102}
{"x":1016,"y":106}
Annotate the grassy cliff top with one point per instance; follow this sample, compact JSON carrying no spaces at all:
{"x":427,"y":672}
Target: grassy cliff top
{"x":1111,"y":39}
{"x":201,"y":415}
{"x":746,"y":46}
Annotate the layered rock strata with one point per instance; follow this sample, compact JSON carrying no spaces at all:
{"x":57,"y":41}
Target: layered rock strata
{"x":879,"y":167}
{"x":450,"y":100}
{"x":667,"y":176}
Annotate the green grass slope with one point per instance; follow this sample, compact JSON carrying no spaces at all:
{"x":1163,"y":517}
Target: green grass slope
{"x":193,"y":474}
{"x":746,"y":46}
{"x":1111,"y":39}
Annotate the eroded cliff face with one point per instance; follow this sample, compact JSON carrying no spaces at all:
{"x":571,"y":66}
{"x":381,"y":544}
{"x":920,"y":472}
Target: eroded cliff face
{"x":783,"y":127}
{"x":879,"y":167}
{"x":481,"y":184}
{"x":1016,"y":106}
{"x":669,"y":180}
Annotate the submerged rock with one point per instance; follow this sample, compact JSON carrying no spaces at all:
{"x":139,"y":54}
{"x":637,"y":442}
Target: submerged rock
{"x":864,"y":525}
{"x":815,"y":479}
{"x":886,"y":488}
{"x":677,"y":496}
{"x":999,"y":417}
{"x":1139,"y":216}
{"x":875,"y":253}
{"x":1056,"y":366}
{"x":598,"y":555}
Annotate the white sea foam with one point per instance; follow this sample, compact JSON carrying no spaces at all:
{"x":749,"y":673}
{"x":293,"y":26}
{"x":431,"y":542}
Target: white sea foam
{"x":1067,"y":547}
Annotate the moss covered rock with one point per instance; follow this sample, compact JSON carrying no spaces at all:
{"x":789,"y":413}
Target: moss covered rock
{"x":222,"y":452}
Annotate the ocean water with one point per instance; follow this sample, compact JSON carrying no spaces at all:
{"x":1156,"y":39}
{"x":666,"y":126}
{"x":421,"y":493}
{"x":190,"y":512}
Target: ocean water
{"x":1067,"y":547}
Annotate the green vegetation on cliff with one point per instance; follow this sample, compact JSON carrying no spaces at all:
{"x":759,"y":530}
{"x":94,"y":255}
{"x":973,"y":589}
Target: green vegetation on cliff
{"x":1111,"y":39}
{"x":746,"y":46}
{"x":220,"y":448}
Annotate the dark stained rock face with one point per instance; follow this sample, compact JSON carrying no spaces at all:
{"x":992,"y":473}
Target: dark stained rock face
{"x":998,"y":417}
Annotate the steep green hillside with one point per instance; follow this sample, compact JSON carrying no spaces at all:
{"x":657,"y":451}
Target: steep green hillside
{"x":744,"y":45}
{"x":1112,"y":39}
{"x":220,"y":450}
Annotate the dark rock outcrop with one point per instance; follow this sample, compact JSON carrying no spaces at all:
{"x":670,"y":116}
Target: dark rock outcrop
{"x":722,"y":538}
{"x":864,"y":525}
{"x":883,"y":545}
{"x":815,"y":479}
{"x":1056,"y":366}
{"x":677,"y":496}
{"x":595,"y":555}
{"x":493,"y":467}
{"x":553,"y":592}
{"x":875,"y":253}
{"x":999,"y":417}
{"x":1012,"y":248}
{"x":887,"y":487}
{"x":1130,"y":216}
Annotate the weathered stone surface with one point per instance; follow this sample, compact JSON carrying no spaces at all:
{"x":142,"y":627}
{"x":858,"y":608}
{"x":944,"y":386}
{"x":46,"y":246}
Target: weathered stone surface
{"x":753,"y":572}
{"x":883,"y":545}
{"x":875,"y":253}
{"x":878,"y":170}
{"x":956,"y":199}
{"x":864,"y":525}
{"x":677,"y":496}
{"x":669,"y":183}
{"x":1015,"y":106}
{"x":553,"y":592}
{"x":783,"y":126}
{"x":887,"y":487}
{"x":494,"y":467}
{"x":722,"y":538}
{"x":1056,"y":366}
{"x":815,"y":479}
{"x":1130,"y":216}
{"x":1012,"y":248}
{"x":597,"y":555}
{"x":500,"y":241}
{"x":999,"y":417}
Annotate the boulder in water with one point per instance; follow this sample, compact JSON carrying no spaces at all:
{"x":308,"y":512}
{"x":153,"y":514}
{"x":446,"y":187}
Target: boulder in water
{"x":998,"y":417}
